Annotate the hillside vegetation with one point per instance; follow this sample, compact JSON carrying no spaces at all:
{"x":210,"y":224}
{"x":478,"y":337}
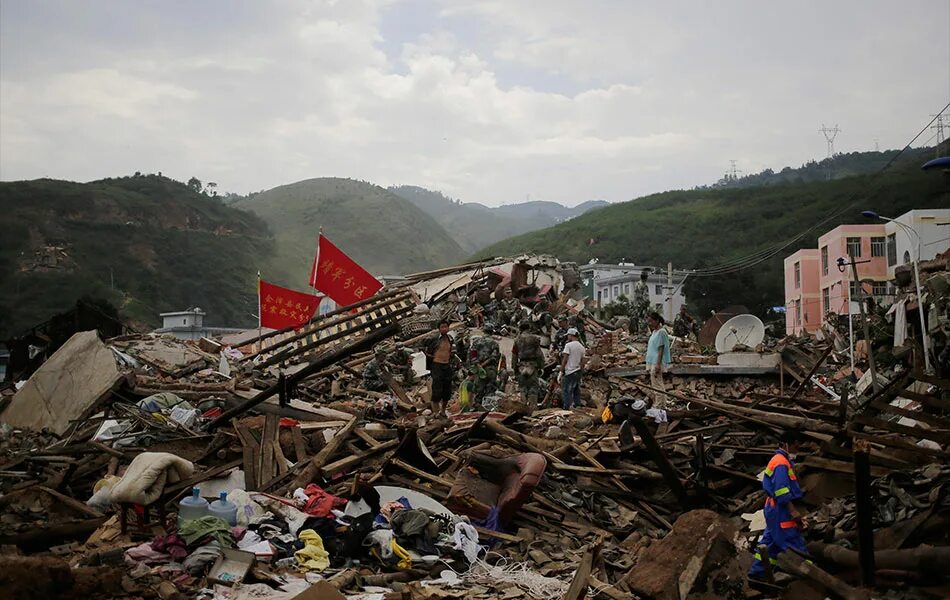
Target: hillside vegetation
{"x":383,"y":232}
{"x":147,"y":244}
{"x":706,"y":227}
{"x":475,"y":226}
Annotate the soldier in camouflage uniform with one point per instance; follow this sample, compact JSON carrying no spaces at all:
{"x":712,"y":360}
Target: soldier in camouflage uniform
{"x":640,"y":305}
{"x":510,"y":307}
{"x":483,"y":361}
{"x":400,"y":362}
{"x":560,"y":336}
{"x":373,"y":372}
{"x":527,"y":362}
{"x":684,"y":324}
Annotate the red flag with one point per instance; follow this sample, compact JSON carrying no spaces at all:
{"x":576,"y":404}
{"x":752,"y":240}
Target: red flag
{"x":339,"y":277}
{"x":282,"y":308}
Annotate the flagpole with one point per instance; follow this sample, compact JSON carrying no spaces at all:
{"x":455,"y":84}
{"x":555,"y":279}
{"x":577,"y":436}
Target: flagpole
{"x":260,"y":343}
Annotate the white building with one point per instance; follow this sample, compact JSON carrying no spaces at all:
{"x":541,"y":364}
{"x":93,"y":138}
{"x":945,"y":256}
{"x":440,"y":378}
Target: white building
{"x":933,"y":227}
{"x":607,"y":282}
{"x":189,"y":325}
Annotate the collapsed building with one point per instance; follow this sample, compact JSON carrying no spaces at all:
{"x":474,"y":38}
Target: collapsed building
{"x":112,"y":448}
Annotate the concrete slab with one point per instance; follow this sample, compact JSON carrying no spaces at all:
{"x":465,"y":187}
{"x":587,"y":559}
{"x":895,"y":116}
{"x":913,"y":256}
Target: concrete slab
{"x":68,"y":385}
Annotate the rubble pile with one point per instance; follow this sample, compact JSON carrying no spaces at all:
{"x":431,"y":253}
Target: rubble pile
{"x":148,"y":467}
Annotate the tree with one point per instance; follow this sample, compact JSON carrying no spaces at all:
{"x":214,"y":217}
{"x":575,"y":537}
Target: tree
{"x":194,"y":184}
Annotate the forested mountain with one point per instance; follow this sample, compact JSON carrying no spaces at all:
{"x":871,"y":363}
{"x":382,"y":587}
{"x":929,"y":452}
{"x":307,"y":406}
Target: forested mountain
{"x":383,"y":232}
{"x":146,"y":243}
{"x":475,"y":225}
{"x":705,"y":227}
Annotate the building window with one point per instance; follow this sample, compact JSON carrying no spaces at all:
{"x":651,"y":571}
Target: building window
{"x":798,"y":312}
{"x":826,"y":300}
{"x":798,"y":275}
{"x":892,"y":250}
{"x":906,"y":257}
{"x":879,"y":289}
{"x":824,"y":260}
{"x":854,"y":247}
{"x":659,"y":289}
{"x":626,"y":288}
{"x":606,"y":293}
{"x":878,"y":246}
{"x":616,"y":291}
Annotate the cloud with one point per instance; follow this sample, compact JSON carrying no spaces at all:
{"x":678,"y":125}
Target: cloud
{"x":486,"y":101}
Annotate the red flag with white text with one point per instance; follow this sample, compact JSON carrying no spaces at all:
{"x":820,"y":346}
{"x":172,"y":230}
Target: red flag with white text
{"x":282,"y":307}
{"x":339,"y":277}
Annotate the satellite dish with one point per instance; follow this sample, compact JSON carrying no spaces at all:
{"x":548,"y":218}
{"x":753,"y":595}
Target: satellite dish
{"x":745,"y":330}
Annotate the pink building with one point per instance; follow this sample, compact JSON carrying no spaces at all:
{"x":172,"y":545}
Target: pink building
{"x":802,"y":295}
{"x":868,"y":245}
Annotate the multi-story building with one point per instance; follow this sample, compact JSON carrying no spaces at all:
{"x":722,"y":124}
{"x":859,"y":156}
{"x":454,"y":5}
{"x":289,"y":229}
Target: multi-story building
{"x":868,"y":245}
{"x":802,"y":293}
{"x":607,"y":282}
{"x":878,"y":248}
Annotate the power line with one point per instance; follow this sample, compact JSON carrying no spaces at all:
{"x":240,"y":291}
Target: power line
{"x":761,"y":256}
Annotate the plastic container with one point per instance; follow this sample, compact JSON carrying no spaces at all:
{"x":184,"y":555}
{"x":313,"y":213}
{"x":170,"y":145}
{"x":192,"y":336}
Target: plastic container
{"x":223,"y":509}
{"x":192,"y":507}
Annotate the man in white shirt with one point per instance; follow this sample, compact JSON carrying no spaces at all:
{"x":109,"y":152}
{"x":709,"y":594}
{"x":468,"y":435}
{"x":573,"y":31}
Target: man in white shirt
{"x":572,"y":366}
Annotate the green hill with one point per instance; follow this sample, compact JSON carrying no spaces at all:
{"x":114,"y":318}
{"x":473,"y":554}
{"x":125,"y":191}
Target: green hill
{"x":386,"y":234}
{"x":148,"y":244}
{"x":707,"y":227}
{"x":475,"y":225}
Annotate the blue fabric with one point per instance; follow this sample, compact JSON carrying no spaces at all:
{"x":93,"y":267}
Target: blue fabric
{"x":382,"y":520}
{"x":776,"y":544}
{"x":491,"y":521}
{"x":571,"y":390}
{"x":658,"y":338}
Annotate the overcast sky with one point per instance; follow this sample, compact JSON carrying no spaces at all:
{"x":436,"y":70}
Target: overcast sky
{"x":486,"y":101}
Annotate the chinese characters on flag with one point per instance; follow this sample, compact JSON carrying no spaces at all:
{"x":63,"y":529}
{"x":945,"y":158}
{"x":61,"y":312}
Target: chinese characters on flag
{"x":282,"y":308}
{"x":339,"y":277}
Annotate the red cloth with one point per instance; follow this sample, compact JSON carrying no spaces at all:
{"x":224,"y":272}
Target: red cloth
{"x":321,"y":502}
{"x":282,"y":308}
{"x":339,"y":277}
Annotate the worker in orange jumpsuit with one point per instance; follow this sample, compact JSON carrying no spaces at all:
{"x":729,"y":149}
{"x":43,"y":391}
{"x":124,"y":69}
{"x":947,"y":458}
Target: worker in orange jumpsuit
{"x":783,"y":522}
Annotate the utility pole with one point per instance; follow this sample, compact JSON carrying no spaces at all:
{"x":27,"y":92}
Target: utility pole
{"x":830,"y":133}
{"x":864,"y":322}
{"x":669,"y":288}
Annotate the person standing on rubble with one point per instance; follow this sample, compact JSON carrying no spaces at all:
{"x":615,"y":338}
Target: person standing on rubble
{"x":484,"y":355}
{"x":641,"y":303}
{"x":560,"y":336}
{"x":439,"y":355}
{"x":573,"y":360}
{"x":783,"y":522}
{"x":658,"y":358}
{"x":527,"y":361}
{"x":400,"y":362}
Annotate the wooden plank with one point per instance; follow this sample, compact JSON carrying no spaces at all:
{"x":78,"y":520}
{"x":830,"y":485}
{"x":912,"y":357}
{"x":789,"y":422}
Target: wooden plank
{"x":250,"y":448}
{"x":266,"y":469}
{"x":310,"y":471}
{"x":938,"y":422}
{"x":421,"y":474}
{"x":941,"y":437}
{"x":351,"y":461}
{"x":900,"y":443}
{"x":928,"y":401}
{"x":840,"y":466}
{"x":670,"y":474}
{"x":361,"y":433}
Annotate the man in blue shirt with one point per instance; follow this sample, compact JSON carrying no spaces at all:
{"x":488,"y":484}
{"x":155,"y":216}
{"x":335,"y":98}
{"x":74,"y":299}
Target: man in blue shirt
{"x":783,"y":522}
{"x":658,"y":358}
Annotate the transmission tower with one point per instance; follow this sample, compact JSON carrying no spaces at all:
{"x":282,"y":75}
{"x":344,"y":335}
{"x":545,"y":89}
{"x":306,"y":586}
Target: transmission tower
{"x":877,"y":145}
{"x":733,"y":173}
{"x":939,"y":127}
{"x":830,"y":133}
